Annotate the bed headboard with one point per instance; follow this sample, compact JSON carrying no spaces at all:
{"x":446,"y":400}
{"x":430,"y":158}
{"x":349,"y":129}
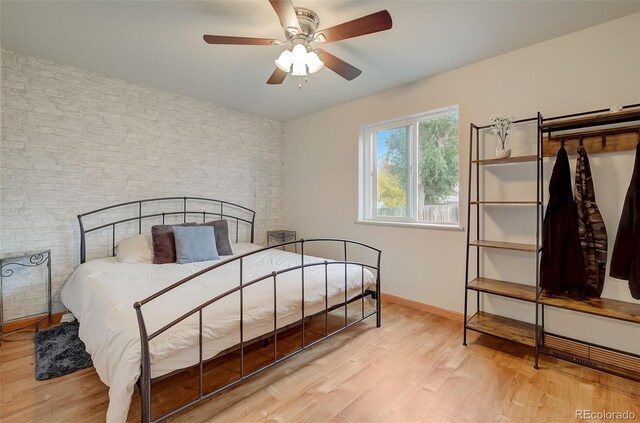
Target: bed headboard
{"x":136,"y":217}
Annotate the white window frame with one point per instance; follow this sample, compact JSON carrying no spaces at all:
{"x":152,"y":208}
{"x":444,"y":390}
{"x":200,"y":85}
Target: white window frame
{"x":367,"y":210}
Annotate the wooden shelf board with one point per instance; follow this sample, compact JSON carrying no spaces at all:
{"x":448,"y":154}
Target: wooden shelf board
{"x":506,"y":203}
{"x":504,"y":288}
{"x":515,"y":159}
{"x":504,"y":245}
{"x":614,"y":309}
{"x":617,"y":139}
{"x":566,"y":136}
{"x":628,"y":115}
{"x":503,"y":327}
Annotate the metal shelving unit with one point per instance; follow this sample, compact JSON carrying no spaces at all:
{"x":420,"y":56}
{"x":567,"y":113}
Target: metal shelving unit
{"x":567,"y":131}
{"x":483,"y":322}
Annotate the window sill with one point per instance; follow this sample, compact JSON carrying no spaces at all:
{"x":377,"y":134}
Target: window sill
{"x":453,"y":227}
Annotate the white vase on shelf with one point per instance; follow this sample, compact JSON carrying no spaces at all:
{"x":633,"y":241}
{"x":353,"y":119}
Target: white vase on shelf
{"x":501,"y":126}
{"x":503,"y":150}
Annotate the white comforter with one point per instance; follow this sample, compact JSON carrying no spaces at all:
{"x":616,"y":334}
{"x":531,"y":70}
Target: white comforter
{"x":101,"y":294}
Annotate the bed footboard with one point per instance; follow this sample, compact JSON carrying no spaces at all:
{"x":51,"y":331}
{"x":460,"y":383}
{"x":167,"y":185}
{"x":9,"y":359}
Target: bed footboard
{"x":145,"y":381}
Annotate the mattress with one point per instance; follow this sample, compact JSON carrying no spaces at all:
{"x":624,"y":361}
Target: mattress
{"x":101,"y":294}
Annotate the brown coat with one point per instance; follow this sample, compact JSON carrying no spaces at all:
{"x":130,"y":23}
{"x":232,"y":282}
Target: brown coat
{"x":591,"y":228}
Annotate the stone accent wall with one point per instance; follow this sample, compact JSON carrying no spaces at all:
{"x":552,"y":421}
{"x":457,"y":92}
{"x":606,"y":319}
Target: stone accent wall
{"x":73,"y":141}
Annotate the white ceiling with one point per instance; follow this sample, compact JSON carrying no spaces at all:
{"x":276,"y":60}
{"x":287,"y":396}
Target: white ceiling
{"x":159,"y":43}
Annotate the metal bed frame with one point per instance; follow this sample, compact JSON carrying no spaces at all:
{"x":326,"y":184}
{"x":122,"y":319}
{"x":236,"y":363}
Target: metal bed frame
{"x":246,"y":217}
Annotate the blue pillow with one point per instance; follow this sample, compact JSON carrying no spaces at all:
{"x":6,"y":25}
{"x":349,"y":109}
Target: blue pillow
{"x":195,"y":243}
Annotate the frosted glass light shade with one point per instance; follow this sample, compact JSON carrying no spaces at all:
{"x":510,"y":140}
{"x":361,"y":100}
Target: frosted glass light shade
{"x":285,"y":60}
{"x":299,"y":69}
{"x":299,"y":53}
{"x":313,"y":62}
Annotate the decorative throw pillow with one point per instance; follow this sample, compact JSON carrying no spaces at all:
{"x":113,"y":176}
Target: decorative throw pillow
{"x":195,"y":243}
{"x":164,"y":247}
{"x":135,"y":249}
{"x":221,"y":231}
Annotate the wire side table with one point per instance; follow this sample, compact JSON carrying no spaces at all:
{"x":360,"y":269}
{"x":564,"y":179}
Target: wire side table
{"x":281,"y":235}
{"x":9,"y":266}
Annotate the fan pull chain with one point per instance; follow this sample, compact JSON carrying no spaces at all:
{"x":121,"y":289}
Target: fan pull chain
{"x":306,"y":79}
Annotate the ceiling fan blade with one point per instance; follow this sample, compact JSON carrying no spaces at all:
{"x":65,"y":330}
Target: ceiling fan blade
{"x":287,"y":14}
{"x":223,"y":39}
{"x":376,"y":22}
{"x":277,"y":77}
{"x":339,"y":66}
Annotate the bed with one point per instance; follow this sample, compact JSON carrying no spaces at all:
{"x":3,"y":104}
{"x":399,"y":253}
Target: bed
{"x":142,"y":322}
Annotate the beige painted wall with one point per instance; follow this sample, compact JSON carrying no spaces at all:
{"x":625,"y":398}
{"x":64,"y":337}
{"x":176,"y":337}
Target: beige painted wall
{"x":586,"y":70}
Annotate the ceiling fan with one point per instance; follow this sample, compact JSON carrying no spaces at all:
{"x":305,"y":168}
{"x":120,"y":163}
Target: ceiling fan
{"x":300,"y":28}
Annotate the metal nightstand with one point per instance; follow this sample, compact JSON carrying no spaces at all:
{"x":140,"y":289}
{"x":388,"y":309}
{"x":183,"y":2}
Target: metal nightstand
{"x":10,"y":266}
{"x":280,"y":236}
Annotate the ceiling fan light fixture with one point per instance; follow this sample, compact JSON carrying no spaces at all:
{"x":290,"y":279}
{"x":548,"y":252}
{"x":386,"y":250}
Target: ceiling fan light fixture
{"x":313,"y":62}
{"x":299,"y":69}
{"x":300,"y":29}
{"x":285,"y":60}
{"x":299,"y":53}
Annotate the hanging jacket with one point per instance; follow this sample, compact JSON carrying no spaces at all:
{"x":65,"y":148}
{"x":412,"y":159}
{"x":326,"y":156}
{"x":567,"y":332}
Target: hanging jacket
{"x":625,"y":260}
{"x":562,"y":263}
{"x":591,"y":229}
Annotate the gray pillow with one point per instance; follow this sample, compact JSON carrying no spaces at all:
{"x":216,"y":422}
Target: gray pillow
{"x":164,"y":246}
{"x":221,"y":230}
{"x":195,"y":243}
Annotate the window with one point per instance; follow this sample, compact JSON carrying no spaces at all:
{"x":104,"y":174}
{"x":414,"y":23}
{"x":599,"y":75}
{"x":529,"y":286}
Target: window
{"x":409,"y":169}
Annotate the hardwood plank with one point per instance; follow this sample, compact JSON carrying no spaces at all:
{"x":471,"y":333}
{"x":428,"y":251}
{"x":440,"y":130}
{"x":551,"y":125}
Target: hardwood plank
{"x":498,"y":388}
{"x":615,"y":309}
{"x":503,"y":327}
{"x":414,"y":364}
{"x":508,"y":160}
{"x":504,"y":245}
{"x":449,"y":314}
{"x":504,"y":288}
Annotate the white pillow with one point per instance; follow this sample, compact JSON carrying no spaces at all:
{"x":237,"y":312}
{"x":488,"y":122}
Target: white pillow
{"x":135,"y":249}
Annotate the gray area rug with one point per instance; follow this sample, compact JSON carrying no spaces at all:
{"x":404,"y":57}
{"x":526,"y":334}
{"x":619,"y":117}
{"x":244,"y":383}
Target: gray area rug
{"x":59,"y":352}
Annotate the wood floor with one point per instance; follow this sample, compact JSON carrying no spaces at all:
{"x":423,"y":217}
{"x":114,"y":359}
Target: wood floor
{"x":413,"y":369}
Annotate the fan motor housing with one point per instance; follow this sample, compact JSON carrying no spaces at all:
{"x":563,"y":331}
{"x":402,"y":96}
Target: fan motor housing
{"x":308,"y":20}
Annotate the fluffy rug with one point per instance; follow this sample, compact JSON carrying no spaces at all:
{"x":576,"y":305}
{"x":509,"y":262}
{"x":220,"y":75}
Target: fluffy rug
{"x":59,"y":352}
